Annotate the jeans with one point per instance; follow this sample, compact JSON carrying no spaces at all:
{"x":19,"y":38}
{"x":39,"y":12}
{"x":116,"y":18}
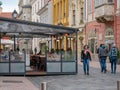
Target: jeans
{"x":100,"y":63}
{"x":86,"y":66}
{"x":113,"y":64}
{"x":103,"y":64}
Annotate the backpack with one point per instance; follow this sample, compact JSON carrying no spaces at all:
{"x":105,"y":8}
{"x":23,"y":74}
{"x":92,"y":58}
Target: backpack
{"x":114,"y":52}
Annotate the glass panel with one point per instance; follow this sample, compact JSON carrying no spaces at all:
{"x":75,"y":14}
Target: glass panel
{"x":65,"y":56}
{"x":17,"y":67}
{"x":56,"y":56}
{"x":4,"y":67}
{"x":68,"y":56}
{"x":17,"y":56}
{"x":54,"y":67}
{"x":4,"y":56}
{"x":69,"y":66}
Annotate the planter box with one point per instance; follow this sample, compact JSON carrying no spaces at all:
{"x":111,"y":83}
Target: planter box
{"x":119,"y":61}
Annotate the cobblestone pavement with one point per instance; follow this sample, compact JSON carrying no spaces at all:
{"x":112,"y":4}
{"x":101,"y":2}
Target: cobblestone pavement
{"x":95,"y":81}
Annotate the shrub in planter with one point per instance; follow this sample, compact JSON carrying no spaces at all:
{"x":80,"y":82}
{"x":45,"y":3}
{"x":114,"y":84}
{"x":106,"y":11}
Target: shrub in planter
{"x":119,"y":57}
{"x":57,"y":51}
{"x":52,"y":50}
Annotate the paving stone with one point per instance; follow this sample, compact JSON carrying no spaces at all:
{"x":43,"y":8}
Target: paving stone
{"x":95,"y":81}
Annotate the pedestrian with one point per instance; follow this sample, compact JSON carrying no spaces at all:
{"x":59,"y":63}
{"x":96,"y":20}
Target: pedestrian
{"x":99,"y":56}
{"x":113,"y":58}
{"x":35,"y":50}
{"x":86,"y":57}
{"x":103,"y":53}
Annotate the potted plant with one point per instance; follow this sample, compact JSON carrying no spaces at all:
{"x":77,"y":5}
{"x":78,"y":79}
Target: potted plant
{"x":81,"y":38}
{"x":52,"y":50}
{"x":57,"y":51}
{"x":45,"y":48}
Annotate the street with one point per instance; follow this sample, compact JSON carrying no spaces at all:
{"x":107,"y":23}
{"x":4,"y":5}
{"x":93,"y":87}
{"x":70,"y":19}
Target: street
{"x":95,"y":81}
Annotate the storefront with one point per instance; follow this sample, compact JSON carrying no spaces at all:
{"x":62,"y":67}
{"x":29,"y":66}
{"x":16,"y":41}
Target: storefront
{"x":20,"y":62}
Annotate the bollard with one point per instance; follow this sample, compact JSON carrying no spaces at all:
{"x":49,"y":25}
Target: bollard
{"x":118,"y":85}
{"x":43,"y":86}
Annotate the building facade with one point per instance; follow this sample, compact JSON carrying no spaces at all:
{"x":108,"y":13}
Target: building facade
{"x":117,"y":22}
{"x":101,"y":23}
{"x":25,"y":13}
{"x":42,"y":13}
{"x":25,"y":9}
{"x":45,"y":13}
{"x":76,"y":20}
{"x":36,"y":4}
{"x":61,"y":12}
{"x":69,"y":13}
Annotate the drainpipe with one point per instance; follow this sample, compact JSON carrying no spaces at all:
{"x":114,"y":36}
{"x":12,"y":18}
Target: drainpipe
{"x":115,"y":23}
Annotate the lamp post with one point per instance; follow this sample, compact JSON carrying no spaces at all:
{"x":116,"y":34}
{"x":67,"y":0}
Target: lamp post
{"x":14,"y":16}
{"x":48,"y":41}
{"x":59,"y":24}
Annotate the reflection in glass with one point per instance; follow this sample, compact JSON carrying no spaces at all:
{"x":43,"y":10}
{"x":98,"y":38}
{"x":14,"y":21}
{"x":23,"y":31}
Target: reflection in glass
{"x":4,"y":56}
{"x":61,"y":55}
{"x":16,"y":56}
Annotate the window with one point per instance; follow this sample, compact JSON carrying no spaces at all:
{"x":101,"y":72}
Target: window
{"x":64,"y":8}
{"x":110,"y":0}
{"x":35,"y":8}
{"x":118,"y":5}
{"x":38,"y":4}
{"x":109,"y":32}
{"x":73,"y":17}
{"x":100,"y":2}
{"x":82,"y":14}
{"x":89,"y":3}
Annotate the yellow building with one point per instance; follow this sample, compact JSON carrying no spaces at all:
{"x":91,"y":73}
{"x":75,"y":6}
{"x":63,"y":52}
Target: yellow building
{"x":60,"y":12}
{"x":60,"y":16}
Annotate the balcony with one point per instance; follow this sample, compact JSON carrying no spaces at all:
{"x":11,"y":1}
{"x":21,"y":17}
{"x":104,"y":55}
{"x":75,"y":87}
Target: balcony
{"x":104,"y":13}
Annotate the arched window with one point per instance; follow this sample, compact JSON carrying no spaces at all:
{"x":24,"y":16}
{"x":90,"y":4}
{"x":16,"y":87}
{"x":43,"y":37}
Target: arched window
{"x":92,"y":41}
{"x":92,"y":33}
{"x":109,"y":32}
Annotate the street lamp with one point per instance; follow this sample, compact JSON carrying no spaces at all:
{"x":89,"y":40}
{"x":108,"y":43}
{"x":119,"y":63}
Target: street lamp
{"x":14,"y":14}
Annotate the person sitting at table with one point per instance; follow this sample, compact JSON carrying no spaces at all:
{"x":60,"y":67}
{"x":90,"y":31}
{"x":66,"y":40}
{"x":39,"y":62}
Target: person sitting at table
{"x":39,"y":53}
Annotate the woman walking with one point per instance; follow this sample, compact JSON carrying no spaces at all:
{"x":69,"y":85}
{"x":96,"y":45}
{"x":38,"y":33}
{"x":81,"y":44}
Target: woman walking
{"x":86,"y":57}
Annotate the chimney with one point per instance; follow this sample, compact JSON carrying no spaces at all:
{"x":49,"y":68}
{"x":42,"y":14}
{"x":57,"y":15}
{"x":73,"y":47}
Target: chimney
{"x":1,"y":10}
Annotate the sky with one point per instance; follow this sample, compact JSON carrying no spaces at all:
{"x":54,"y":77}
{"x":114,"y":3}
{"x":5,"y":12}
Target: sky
{"x":9,"y":5}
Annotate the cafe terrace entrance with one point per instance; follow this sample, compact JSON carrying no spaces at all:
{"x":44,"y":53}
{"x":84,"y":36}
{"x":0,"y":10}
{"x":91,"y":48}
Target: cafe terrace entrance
{"x":15,"y":62}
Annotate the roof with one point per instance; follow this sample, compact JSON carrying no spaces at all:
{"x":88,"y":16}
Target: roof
{"x":6,"y":14}
{"x":30,"y":29}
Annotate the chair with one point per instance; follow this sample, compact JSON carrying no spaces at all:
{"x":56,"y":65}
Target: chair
{"x":43,"y":64}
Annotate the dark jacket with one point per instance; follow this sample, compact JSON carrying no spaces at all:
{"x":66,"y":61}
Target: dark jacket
{"x":85,"y":56}
{"x":103,"y":52}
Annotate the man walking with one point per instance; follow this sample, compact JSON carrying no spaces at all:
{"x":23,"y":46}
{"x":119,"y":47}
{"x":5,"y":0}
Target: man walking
{"x":99,"y":56}
{"x":103,"y":52}
{"x":113,"y":57}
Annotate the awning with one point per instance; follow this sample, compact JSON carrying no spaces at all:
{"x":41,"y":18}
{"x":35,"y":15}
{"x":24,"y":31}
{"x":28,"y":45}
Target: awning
{"x":21,"y":28}
{"x":6,"y":41}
